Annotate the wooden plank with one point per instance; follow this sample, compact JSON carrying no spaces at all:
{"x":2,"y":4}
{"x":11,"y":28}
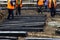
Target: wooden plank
{"x":3,"y":0}
{"x":13,"y":33}
{"x":35,"y":38}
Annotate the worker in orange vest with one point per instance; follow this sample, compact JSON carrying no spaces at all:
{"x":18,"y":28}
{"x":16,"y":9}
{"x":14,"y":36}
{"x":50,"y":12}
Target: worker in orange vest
{"x":52,"y":7}
{"x":40,"y":4}
{"x":10,"y":7}
{"x":18,"y":7}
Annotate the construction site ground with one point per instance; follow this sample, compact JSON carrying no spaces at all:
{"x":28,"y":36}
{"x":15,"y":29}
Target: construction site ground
{"x":49,"y":32}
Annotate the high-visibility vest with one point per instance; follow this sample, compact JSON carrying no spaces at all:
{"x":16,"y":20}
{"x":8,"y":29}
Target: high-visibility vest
{"x":9,"y":6}
{"x":49,"y":3}
{"x":20,"y":3}
{"x":40,"y":2}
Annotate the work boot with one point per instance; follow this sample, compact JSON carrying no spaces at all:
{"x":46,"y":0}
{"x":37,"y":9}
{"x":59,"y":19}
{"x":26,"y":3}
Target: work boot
{"x":8,"y":18}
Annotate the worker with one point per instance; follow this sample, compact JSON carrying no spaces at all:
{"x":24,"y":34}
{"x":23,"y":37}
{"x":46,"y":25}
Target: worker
{"x":40,"y":4}
{"x":10,"y":7}
{"x":46,"y":4}
{"x":52,"y":7}
{"x":18,"y":7}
